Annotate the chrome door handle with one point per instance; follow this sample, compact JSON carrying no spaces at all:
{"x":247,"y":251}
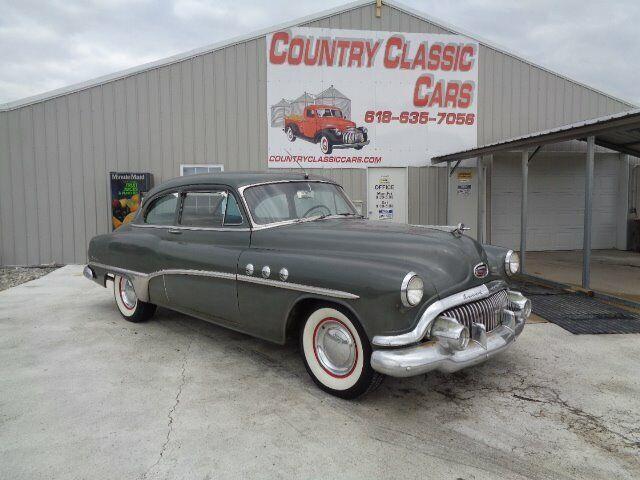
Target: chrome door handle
{"x":175,"y":231}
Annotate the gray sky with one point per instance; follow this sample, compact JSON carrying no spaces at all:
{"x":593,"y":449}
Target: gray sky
{"x":50,"y":44}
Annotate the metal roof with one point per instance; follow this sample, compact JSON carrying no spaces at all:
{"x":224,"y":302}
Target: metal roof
{"x":331,"y":92}
{"x":619,"y":132}
{"x":260,"y":33}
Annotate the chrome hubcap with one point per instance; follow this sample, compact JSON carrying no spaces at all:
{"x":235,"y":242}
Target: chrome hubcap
{"x":290,"y":133}
{"x":335,"y":348}
{"x":127,"y":293}
{"x":324,"y":145}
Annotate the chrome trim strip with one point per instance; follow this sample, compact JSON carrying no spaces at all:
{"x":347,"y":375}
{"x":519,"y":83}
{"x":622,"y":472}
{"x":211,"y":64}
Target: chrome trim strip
{"x":183,"y":227}
{"x":194,"y":273}
{"x":141,"y":281}
{"x":435,"y":309}
{"x":298,"y":287}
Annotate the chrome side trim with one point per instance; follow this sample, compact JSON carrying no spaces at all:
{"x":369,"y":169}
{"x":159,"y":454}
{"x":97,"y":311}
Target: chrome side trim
{"x":435,"y":309}
{"x":182,"y":227}
{"x":141,"y":281}
{"x":298,"y":287}
{"x":194,"y":273}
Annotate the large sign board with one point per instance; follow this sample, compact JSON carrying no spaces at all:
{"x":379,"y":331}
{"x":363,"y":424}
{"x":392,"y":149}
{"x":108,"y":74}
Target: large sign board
{"x":355,"y":99}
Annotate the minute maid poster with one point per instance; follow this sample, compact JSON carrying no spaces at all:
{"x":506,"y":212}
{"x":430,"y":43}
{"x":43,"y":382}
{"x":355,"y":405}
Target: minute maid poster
{"x":127,"y":189}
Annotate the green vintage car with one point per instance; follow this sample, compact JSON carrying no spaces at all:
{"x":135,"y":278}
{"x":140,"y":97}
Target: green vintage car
{"x":283,"y":256}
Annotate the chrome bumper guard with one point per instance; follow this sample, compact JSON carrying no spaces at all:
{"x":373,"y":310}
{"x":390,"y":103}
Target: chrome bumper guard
{"x":437,"y":354}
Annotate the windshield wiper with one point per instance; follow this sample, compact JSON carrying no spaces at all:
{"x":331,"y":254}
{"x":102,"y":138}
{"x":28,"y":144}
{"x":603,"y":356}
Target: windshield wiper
{"x":345,"y":214}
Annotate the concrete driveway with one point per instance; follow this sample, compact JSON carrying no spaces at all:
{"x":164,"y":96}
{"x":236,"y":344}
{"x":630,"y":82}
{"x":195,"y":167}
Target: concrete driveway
{"x":84,"y":394}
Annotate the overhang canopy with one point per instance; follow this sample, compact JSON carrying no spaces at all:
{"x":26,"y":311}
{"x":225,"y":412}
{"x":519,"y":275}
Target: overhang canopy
{"x":619,"y":132}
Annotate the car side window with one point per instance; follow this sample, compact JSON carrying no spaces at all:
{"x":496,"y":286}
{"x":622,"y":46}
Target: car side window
{"x":310,"y":113}
{"x":162,"y":210}
{"x":203,"y":209}
{"x":232,"y":215}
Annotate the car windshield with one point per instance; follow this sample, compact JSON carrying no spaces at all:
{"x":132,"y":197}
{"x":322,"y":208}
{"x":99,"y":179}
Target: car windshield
{"x":279,"y":202}
{"x":330,"y":112}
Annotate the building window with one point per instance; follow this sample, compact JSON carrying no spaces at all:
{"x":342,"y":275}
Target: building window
{"x":194,"y":169}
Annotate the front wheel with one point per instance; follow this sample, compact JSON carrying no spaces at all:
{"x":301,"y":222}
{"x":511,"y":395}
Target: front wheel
{"x":325,"y":145}
{"x":130,"y":307}
{"x":337,"y":354}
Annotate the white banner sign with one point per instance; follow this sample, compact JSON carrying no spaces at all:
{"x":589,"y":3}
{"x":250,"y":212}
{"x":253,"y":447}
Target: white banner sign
{"x":353,"y":98}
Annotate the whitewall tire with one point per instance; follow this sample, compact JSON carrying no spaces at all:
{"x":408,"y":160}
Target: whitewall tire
{"x":130,"y":307}
{"x":337,"y":353}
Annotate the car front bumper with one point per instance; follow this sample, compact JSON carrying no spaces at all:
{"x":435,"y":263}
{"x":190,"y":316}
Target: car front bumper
{"x":351,"y":145}
{"x":433,"y":355}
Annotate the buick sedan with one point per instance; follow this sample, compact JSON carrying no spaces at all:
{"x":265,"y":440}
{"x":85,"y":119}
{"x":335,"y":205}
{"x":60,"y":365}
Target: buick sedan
{"x":287,"y":256}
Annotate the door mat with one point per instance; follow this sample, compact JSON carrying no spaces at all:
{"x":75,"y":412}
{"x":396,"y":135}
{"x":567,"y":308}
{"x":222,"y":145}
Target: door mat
{"x":581,"y":315}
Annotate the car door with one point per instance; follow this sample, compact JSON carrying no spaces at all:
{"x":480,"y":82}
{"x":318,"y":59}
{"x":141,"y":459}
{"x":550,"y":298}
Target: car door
{"x":202,"y":256}
{"x":142,"y":247}
{"x":309,"y":123}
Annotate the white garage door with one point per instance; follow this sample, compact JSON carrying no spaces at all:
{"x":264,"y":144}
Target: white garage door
{"x":556,"y":203}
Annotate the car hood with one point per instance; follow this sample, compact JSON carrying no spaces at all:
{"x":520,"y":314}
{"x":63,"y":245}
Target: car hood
{"x":340,"y":123}
{"x":443,"y":259}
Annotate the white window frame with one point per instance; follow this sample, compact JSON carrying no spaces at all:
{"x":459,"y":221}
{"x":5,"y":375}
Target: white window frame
{"x":193,"y":165}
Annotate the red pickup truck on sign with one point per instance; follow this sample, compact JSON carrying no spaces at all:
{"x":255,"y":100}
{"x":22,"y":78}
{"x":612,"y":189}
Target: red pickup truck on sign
{"x":327,"y":126}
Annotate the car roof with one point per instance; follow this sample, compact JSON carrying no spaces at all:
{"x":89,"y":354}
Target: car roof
{"x":317,"y":107}
{"x":234,"y":179}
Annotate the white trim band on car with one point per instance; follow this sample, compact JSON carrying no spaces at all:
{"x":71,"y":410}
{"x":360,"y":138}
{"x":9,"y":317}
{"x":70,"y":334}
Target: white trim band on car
{"x":435,"y":309}
{"x":141,"y":280}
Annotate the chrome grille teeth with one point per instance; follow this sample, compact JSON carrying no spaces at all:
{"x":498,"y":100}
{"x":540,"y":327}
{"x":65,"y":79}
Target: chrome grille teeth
{"x":486,"y":311}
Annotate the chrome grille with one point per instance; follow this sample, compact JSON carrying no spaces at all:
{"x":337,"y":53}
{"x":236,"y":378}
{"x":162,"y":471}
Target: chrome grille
{"x":487,"y":311}
{"x":353,"y":136}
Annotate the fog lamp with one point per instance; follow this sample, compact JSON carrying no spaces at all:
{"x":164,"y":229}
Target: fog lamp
{"x":450,"y":333}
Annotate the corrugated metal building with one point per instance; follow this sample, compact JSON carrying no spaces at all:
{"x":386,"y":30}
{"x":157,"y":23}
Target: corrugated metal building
{"x":56,"y":149}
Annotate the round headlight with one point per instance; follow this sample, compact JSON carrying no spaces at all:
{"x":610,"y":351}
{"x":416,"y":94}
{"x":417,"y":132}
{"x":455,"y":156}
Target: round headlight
{"x":412,"y":290}
{"x":511,"y":263}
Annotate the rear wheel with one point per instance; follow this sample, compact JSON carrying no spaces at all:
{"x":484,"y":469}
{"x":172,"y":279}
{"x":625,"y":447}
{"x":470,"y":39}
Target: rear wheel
{"x":325,"y":145}
{"x":291,"y":135}
{"x":130,"y":307}
{"x":337,"y":353}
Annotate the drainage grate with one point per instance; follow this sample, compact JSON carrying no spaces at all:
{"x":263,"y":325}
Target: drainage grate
{"x":580,"y":314}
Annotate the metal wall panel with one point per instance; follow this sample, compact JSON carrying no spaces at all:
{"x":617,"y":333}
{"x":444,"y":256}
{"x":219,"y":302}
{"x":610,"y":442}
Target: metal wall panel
{"x":7,"y":232}
{"x":55,"y":154}
{"x":427,"y":196}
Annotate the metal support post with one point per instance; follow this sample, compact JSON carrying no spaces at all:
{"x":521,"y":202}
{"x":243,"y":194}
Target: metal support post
{"x":588,"y":197}
{"x":523,"y":210}
{"x":481,"y":201}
